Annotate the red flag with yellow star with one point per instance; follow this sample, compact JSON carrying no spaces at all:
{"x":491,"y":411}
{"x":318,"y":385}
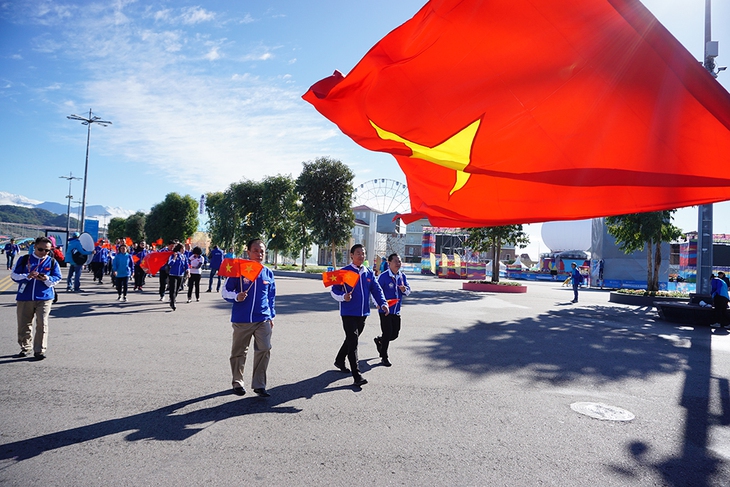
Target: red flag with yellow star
{"x":341,"y":276}
{"x":154,"y":261}
{"x":528,"y":111}
{"x":249,"y":269}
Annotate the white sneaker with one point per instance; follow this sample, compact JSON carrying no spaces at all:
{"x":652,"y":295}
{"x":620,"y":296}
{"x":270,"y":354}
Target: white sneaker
{"x":124,"y":299}
{"x":119,"y":298}
{"x":162,"y":298}
{"x":189,"y":300}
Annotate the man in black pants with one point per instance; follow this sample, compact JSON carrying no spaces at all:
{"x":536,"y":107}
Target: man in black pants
{"x":355,"y":308}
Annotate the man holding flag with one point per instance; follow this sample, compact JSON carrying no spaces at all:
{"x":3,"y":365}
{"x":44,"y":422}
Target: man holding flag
{"x":355,"y":308}
{"x":394,"y":285}
{"x":250,"y":288}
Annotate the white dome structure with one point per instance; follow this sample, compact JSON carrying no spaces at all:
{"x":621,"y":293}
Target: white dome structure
{"x":567,"y":235}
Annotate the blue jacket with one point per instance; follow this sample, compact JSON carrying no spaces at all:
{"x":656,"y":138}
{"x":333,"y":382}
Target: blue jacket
{"x":100,"y":254}
{"x":718,"y":286}
{"x":259,"y":304}
{"x":33,"y":289}
{"x":216,"y":258}
{"x":74,"y":244}
{"x":11,"y":249}
{"x":123,"y":265}
{"x":178,"y":264}
{"x":366,"y":286}
{"x":141,"y":254}
{"x":390,"y":284}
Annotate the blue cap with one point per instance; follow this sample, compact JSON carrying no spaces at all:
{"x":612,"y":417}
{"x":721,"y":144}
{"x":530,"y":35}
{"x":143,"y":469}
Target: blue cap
{"x":75,"y":235}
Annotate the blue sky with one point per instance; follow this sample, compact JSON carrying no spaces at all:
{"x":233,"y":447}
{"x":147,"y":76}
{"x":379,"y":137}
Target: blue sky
{"x":202,"y":94}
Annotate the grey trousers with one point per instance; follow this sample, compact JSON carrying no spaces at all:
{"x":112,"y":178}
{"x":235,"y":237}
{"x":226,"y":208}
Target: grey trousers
{"x":27,"y":311}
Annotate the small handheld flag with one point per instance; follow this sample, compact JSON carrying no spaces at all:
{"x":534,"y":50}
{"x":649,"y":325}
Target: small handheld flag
{"x":340,"y":276}
{"x":249,"y":269}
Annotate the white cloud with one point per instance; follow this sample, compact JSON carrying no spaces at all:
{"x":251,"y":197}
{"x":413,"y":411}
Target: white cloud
{"x":213,"y":54}
{"x":194,"y":15}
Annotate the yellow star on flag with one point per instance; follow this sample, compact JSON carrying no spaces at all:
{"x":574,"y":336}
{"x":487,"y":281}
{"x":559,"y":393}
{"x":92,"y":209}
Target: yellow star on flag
{"x":453,"y":153}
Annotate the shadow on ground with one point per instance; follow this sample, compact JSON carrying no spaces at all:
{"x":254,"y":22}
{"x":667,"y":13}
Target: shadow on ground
{"x":167,"y":424}
{"x":589,"y":343}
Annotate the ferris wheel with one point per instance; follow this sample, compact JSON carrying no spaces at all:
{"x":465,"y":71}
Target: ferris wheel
{"x":384,"y":195}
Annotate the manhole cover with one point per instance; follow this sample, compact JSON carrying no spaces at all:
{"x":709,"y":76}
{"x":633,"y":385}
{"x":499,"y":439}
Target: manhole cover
{"x":602,"y":411}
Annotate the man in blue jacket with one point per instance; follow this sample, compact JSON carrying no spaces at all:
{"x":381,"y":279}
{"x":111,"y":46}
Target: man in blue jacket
{"x":252,"y":315}
{"x":36,"y":274}
{"x":394,"y":285}
{"x":355,"y":308}
{"x":11,"y":249}
{"x":74,"y":269}
{"x":216,"y":258}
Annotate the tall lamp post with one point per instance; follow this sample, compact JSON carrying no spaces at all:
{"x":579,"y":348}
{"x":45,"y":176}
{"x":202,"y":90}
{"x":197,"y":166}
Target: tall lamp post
{"x":87,"y":121}
{"x":70,"y":178}
{"x":705,"y":238}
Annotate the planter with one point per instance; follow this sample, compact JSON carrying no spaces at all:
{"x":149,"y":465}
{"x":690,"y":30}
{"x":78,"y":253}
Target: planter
{"x":492,"y":288}
{"x":643,"y":301}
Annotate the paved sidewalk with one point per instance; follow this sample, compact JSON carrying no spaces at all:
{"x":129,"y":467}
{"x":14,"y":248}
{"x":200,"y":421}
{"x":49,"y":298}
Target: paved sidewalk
{"x":479,"y":393}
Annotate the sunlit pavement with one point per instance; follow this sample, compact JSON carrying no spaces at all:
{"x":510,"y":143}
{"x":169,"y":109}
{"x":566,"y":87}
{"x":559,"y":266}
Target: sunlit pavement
{"x":480,"y":393}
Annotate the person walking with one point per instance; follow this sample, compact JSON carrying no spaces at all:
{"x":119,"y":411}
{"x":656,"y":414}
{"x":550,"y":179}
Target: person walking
{"x":75,"y":259}
{"x":196,"y":265}
{"x":11,"y":249}
{"x":122,"y":269}
{"x":354,"y":309}
{"x":216,"y":259}
{"x":99,"y":260}
{"x":179,"y":266}
{"x":720,"y":297}
{"x":36,"y":274}
{"x":576,"y":279}
{"x":164,"y":271}
{"x":140,"y":252}
{"x":252,"y":315}
{"x":394,"y":285}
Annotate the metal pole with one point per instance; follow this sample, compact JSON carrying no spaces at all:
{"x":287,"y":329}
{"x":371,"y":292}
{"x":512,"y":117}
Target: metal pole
{"x":704,"y":224}
{"x":86,"y":174}
{"x":70,"y":178}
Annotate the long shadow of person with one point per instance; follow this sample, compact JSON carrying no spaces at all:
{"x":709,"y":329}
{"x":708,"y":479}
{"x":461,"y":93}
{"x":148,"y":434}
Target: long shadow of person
{"x":172,"y":423}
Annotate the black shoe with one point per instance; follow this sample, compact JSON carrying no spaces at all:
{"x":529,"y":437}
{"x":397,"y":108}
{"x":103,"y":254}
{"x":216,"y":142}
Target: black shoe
{"x":39,"y":356}
{"x":574,"y":301}
{"x":360,"y":382}
{"x":261,"y":392}
{"x":378,"y":343}
{"x":386,"y":362}
{"x":239,"y":391}
{"x":21,"y":354}
{"x":208,"y":291}
{"x":342,"y":368}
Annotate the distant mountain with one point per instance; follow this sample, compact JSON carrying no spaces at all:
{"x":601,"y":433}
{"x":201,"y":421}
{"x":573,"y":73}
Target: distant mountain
{"x":32,"y":216}
{"x":95,"y":212}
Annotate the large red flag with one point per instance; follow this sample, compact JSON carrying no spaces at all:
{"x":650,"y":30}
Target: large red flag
{"x":528,"y":111}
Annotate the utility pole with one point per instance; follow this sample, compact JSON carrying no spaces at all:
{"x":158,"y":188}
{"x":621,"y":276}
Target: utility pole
{"x":87,"y":121}
{"x":70,"y":178}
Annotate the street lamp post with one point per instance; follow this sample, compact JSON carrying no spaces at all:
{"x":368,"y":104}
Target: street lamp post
{"x":87,"y":121}
{"x":70,"y":178}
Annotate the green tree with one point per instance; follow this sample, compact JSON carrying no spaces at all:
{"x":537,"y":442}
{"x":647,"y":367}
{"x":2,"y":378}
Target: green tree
{"x":116,"y":228}
{"x":134,"y":226}
{"x":247,"y":212}
{"x":325,"y":187}
{"x":491,"y":239}
{"x":278,"y":206}
{"x":302,"y":239}
{"x":636,"y":231}
{"x":221,"y":218}
{"x":174,"y":218}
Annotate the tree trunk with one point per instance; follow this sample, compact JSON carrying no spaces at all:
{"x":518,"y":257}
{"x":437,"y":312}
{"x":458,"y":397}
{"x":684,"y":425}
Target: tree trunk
{"x":657,"y":264}
{"x":649,"y":265}
{"x":334,"y":256}
{"x":304,"y":250}
{"x":495,"y":260}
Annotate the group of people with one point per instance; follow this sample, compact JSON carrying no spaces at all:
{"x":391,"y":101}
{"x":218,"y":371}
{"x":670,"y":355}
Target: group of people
{"x":253,"y":301}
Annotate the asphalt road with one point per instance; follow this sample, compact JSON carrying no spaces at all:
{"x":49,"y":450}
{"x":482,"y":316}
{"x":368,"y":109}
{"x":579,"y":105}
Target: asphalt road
{"x":480,"y":393}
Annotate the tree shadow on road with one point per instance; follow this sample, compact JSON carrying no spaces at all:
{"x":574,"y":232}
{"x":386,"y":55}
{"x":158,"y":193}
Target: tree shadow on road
{"x":573,"y":344}
{"x":168,"y":424}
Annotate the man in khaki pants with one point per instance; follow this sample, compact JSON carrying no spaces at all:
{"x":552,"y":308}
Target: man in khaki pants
{"x":252,"y":315}
{"x":36,"y":274}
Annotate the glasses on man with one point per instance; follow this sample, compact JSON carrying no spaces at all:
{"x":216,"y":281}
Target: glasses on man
{"x":42,"y":249}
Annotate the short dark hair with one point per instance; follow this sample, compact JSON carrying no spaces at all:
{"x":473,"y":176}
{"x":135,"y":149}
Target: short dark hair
{"x":392,"y":256}
{"x":43,"y":240}
{"x":252,"y":241}
{"x":177,"y":247}
{"x":197,"y":250}
{"x":355,"y":247}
